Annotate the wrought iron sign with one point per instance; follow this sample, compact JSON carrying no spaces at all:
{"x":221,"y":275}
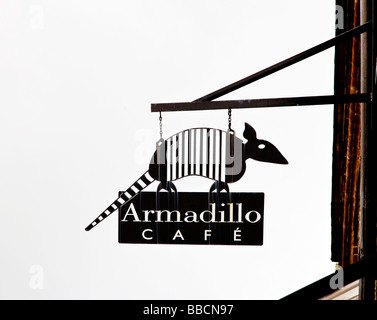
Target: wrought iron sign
{"x":219,"y":216}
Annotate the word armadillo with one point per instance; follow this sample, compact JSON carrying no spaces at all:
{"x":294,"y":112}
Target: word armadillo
{"x":211,"y":153}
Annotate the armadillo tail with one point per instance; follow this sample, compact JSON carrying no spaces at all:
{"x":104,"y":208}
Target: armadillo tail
{"x":144,"y":181}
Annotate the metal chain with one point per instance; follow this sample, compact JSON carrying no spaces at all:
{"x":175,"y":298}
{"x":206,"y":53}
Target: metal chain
{"x":160,"y":119}
{"x":230,"y":119}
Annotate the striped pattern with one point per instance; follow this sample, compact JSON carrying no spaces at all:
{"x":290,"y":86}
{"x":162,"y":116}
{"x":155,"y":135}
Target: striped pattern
{"x":144,"y":181}
{"x":202,"y":152}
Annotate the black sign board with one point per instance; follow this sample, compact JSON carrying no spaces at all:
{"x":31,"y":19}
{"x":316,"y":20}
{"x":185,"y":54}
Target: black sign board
{"x":193,"y":218}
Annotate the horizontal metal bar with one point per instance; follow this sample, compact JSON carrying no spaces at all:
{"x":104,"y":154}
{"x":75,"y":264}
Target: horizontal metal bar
{"x":286,"y":63}
{"x":260,"y":103}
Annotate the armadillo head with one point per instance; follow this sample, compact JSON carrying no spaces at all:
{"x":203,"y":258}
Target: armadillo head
{"x":261,"y":150}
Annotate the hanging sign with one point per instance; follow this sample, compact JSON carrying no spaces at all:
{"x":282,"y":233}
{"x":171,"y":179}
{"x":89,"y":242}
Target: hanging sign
{"x":235,"y":218}
{"x":217,"y":217}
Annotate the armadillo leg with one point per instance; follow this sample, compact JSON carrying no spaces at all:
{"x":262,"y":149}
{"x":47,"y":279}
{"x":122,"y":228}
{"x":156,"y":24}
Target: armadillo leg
{"x":172,"y":195}
{"x":219,"y":186}
{"x":216,"y":190}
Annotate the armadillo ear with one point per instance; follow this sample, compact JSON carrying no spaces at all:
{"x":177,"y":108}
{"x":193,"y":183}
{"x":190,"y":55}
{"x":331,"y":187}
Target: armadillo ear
{"x":249,"y":132}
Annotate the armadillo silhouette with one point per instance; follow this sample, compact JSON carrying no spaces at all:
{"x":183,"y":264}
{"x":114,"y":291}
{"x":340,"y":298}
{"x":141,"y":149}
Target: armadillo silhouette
{"x":211,"y":153}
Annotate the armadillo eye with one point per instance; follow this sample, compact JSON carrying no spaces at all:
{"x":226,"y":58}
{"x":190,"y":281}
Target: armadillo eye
{"x":262,"y":146}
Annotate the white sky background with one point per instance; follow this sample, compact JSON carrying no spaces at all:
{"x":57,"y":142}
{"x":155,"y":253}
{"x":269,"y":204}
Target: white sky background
{"x":76,"y":82}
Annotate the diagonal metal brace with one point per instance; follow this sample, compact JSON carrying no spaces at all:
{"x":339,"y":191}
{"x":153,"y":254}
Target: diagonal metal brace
{"x":206,"y":103}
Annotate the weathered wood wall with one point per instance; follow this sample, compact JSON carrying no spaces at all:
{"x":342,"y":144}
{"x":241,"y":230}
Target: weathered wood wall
{"x":346,"y":151}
